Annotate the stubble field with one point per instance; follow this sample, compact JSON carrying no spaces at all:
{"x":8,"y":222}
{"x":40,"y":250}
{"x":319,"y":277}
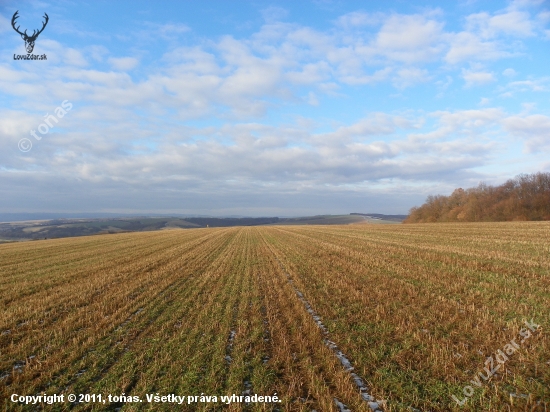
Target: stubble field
{"x":418,"y":312}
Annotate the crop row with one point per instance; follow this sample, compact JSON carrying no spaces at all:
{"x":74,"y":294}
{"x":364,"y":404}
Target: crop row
{"x":416,"y":309}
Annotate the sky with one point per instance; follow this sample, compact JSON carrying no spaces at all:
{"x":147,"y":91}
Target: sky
{"x":268,"y":108}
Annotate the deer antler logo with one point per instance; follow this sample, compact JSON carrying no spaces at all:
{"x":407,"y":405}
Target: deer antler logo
{"x":29,"y":40}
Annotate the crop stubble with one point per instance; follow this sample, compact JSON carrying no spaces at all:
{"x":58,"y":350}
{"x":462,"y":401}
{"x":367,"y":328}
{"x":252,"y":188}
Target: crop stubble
{"x":416,"y":308}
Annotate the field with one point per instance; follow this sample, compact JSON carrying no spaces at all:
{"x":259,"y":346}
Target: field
{"x":417,"y":311}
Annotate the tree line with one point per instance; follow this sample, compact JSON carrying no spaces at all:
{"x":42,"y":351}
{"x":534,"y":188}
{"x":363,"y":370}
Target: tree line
{"x":526,"y":197}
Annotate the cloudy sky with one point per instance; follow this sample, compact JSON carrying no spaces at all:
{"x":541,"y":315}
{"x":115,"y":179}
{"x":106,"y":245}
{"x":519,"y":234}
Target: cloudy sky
{"x":269,"y":108}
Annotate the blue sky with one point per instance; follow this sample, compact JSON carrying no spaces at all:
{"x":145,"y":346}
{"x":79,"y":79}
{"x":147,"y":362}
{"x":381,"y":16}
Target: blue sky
{"x":269,"y":108}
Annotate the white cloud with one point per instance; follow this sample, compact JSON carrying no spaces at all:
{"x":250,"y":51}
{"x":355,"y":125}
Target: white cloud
{"x":477,"y":78}
{"x":168,"y":30}
{"x":514,"y":22}
{"x":469,"y":119}
{"x":9,"y":75}
{"x":74,"y":57}
{"x":5,"y":24}
{"x":487,"y":36}
{"x":310,"y":73}
{"x":509,"y":72}
{"x":451,"y":125}
{"x":532,"y":85}
{"x":377,"y":124}
{"x":544,"y":16}
{"x":359,"y":19}
{"x":360,"y":78}
{"x":274,"y":13}
{"x":97,"y":53}
{"x":256,"y":152}
{"x":410,"y":39}
{"x":533,"y":129}
{"x":466,"y":46}
{"x":526,"y":3}
{"x":60,"y":54}
{"x":409,"y":76}
{"x":312,"y":99}
{"x":123,"y":63}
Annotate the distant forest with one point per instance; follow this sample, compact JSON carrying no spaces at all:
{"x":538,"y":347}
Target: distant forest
{"x":526,"y":197}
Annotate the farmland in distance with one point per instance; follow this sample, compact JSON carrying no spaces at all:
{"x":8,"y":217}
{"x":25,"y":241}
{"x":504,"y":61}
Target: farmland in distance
{"x":416,"y":309}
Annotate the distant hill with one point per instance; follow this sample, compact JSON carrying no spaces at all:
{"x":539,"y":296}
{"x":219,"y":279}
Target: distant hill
{"x":231,"y":221}
{"x":526,"y":197}
{"x":393,"y":218}
{"x":35,"y":229}
{"x":58,"y":228}
{"x":321,"y":220}
{"x":19,"y":217}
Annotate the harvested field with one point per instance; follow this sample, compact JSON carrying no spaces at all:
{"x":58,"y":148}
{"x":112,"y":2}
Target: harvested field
{"x":416,"y":310}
